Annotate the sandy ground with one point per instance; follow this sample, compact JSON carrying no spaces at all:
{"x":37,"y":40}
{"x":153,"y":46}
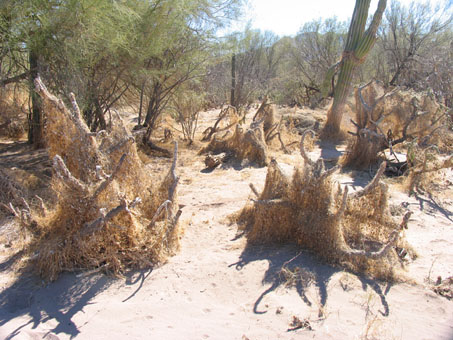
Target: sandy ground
{"x":216,"y":287}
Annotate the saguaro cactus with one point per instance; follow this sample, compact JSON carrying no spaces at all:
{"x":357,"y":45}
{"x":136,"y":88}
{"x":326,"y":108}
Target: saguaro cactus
{"x":358,"y":44}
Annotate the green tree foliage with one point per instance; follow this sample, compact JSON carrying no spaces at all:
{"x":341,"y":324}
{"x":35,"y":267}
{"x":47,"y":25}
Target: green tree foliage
{"x":415,"y":49}
{"x":103,"y":50}
{"x":315,"y":48}
{"x":257,"y":60}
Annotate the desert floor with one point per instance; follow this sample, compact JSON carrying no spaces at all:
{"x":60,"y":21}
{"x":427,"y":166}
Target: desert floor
{"x":217,"y":287}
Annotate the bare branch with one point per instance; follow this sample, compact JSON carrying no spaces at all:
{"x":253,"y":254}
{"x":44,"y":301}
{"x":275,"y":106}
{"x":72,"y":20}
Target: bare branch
{"x":42,"y":207}
{"x":110,"y":178}
{"x":372,"y":184}
{"x":90,"y":228}
{"x":302,"y":148}
{"x":393,"y":238}
{"x":285,"y":150}
{"x":344,"y":202}
{"x":254,"y":190}
{"x":10,"y":208}
{"x":329,"y":172}
{"x":65,"y":175}
{"x":158,"y":213}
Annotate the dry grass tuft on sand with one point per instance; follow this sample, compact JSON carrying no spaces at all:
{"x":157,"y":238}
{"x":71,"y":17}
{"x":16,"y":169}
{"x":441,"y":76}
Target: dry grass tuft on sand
{"x":241,"y":144}
{"x":13,"y":106}
{"x":354,"y":230}
{"x":386,"y":119}
{"x":424,"y":164}
{"x":125,"y":219}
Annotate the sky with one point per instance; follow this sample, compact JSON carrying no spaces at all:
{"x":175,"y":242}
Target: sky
{"x":285,"y":17}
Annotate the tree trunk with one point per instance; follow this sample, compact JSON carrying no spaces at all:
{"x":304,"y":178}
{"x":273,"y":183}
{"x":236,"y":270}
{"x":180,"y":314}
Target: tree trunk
{"x":142,"y":90}
{"x":342,"y":90}
{"x":358,"y":45}
{"x":233,"y":80}
{"x":35,"y":119}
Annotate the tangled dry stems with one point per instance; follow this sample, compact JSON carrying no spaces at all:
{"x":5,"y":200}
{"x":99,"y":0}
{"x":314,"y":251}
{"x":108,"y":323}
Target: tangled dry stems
{"x":384,"y":120}
{"x":111,"y":214}
{"x":423,"y":164}
{"x":354,"y":230}
{"x":242,"y":145}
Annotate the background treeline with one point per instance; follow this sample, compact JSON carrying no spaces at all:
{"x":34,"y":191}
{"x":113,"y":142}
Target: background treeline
{"x":109,"y":52}
{"x":167,"y":56}
{"x":414,"y":50}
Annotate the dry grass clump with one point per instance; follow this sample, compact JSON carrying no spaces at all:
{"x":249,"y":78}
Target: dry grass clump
{"x":266,"y":114}
{"x":12,"y":113}
{"x":111,"y":214}
{"x":384,"y":120}
{"x":242,"y":145}
{"x":354,"y":230}
{"x":423,"y":164}
{"x":11,"y":194}
{"x":228,"y":118}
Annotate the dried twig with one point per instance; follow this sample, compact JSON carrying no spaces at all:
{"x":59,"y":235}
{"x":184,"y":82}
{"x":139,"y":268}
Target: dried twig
{"x":302,"y":148}
{"x":110,"y":178}
{"x":91,"y":227}
{"x":64,"y":174}
{"x":385,"y":248}
{"x":277,"y":201}
{"x":254,"y":189}
{"x":372,"y":184}
{"x":42,"y":207}
{"x":158,"y":213}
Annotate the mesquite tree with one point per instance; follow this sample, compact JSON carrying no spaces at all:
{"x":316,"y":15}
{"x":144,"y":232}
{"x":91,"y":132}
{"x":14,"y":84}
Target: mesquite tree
{"x":358,"y":44}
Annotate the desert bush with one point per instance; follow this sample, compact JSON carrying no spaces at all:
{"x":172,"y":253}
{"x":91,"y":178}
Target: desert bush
{"x":13,"y":107}
{"x":185,"y":108}
{"x":354,"y":230}
{"x":105,"y":222}
{"x":423,"y":164}
{"x":241,"y":145}
{"x":386,"y":119}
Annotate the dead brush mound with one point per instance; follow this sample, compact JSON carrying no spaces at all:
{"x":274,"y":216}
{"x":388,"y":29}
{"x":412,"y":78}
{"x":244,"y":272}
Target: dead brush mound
{"x":354,"y":230}
{"x":239,"y":143}
{"x":111,"y":213}
{"x":386,"y":119}
{"x":13,"y":106}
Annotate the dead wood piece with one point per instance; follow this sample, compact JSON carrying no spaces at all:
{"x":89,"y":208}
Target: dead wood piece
{"x":285,"y":150}
{"x":110,"y":178}
{"x":10,"y":208}
{"x":212,"y":161}
{"x":393,"y":238}
{"x":64,"y":174}
{"x":302,"y":148}
{"x":210,"y":131}
{"x":254,"y":189}
{"x":152,"y":146}
{"x":91,"y":227}
{"x":120,"y":145}
{"x":374,"y":182}
{"x":41,"y":206}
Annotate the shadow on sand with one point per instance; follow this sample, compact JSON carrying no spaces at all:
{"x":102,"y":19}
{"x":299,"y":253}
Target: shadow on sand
{"x":310,"y":271}
{"x":58,"y":301}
